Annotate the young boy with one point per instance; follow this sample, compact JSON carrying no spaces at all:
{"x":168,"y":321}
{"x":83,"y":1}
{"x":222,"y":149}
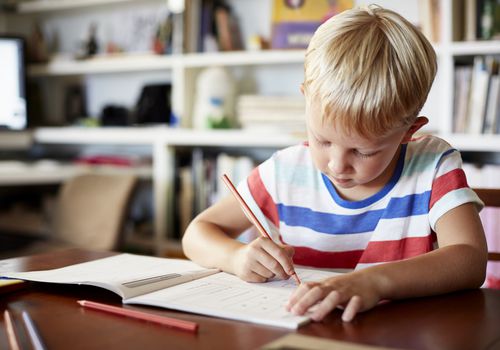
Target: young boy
{"x":362,"y":193}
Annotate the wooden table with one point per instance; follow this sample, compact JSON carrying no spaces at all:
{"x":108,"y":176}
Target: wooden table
{"x":464,"y":320}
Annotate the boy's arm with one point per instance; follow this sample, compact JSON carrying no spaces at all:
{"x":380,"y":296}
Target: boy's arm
{"x":210,"y":241}
{"x":459,"y":263}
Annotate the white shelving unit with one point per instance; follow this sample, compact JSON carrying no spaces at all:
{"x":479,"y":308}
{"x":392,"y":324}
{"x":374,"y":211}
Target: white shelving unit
{"x":61,"y":66}
{"x":184,"y":69}
{"x":448,"y":51}
{"x":164,"y":142}
{"x":49,"y":172}
{"x":57,"y":5}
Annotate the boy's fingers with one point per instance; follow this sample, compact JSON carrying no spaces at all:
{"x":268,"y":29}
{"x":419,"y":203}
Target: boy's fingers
{"x":279,"y":254}
{"x":254,"y":277}
{"x":352,"y":308}
{"x":309,"y":299}
{"x":330,"y":302}
{"x":261,"y":270}
{"x":298,"y":294}
{"x":265,"y":265}
{"x":273,"y":265}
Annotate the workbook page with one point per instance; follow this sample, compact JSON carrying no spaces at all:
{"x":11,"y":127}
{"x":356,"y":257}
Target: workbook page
{"x":225,"y":295}
{"x":127,"y":275}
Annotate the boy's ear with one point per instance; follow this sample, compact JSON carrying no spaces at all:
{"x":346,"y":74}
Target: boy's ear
{"x":417,"y":124}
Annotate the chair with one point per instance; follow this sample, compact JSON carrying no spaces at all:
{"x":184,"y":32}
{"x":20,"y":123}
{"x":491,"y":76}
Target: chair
{"x":90,"y":213}
{"x":491,"y":198}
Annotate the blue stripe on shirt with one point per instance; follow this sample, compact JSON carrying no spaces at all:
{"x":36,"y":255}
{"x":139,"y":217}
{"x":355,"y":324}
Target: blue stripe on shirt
{"x":411,"y":205}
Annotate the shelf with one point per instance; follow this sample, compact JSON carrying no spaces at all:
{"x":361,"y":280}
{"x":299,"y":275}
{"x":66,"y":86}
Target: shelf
{"x":165,"y":136}
{"x":52,"y":173}
{"x":476,"y":143}
{"x":231,"y":138}
{"x":103,"y":64}
{"x":216,"y":138}
{"x":90,"y":136}
{"x":238,"y":58}
{"x":487,"y":47}
{"x":148,"y":62}
{"x":55,"y":5}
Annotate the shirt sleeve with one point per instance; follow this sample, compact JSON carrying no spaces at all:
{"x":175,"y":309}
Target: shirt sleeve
{"x":258,"y":192}
{"x":449,"y":187}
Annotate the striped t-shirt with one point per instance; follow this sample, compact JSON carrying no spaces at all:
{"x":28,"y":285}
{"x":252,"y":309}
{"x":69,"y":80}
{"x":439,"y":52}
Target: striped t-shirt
{"x":300,"y":207}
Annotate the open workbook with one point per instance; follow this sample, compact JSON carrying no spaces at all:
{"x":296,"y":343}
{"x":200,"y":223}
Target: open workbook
{"x":185,"y":286}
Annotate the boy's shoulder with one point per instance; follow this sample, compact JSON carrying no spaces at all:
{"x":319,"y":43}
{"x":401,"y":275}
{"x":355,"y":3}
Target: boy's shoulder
{"x":429,"y":144}
{"x":298,"y":153}
{"x":289,"y":161}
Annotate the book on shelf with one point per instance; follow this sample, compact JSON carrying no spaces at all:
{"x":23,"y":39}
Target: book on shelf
{"x":430,"y":14}
{"x":236,"y":168}
{"x":200,"y":184}
{"x":479,"y":19}
{"x":477,"y":113}
{"x":266,"y":112}
{"x":192,"y":25}
{"x":185,"y":286}
{"x":492,"y":101}
{"x":210,"y":25}
{"x":185,"y":198}
{"x":476,"y":96}
{"x":462,"y":78}
{"x":295,"y":21}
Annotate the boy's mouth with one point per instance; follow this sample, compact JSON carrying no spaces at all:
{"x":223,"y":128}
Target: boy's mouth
{"x":340,"y":181}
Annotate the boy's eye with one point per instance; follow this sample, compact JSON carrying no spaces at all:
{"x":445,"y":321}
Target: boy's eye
{"x":323,"y":143}
{"x":363,"y":155}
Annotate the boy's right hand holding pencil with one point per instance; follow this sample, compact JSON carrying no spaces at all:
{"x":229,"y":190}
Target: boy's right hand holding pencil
{"x":263,"y":259}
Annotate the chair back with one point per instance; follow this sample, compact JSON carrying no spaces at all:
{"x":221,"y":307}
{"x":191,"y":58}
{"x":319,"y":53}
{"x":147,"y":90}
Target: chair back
{"x":91,"y":210}
{"x":491,"y":198}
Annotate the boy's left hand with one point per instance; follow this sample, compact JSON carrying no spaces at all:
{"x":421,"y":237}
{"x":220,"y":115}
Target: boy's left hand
{"x":355,"y":292}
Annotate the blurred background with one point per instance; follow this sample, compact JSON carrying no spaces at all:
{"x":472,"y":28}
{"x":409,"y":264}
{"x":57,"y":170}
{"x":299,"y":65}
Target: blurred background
{"x":173,"y":93}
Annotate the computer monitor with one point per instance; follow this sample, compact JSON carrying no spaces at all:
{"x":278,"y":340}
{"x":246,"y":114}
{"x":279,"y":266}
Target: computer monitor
{"x":13,"y":105}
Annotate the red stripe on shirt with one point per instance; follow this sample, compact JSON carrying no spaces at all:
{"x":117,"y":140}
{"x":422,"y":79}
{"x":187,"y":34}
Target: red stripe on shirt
{"x":385,"y":251}
{"x":262,"y":197}
{"x":316,"y":258}
{"x":452,"y":180}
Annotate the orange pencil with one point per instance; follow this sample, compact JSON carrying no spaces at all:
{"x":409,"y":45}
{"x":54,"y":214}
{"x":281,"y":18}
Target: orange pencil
{"x":11,"y":333}
{"x":165,"y":321}
{"x":250,"y":214}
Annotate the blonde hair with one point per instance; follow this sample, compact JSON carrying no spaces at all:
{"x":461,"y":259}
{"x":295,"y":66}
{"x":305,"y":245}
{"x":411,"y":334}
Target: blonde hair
{"x":370,"y":69}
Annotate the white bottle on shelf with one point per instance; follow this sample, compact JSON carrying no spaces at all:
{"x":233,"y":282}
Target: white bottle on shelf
{"x":214,"y":103}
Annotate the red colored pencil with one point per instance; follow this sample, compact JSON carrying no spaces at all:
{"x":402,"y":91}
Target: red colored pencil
{"x":251,"y":216}
{"x":165,"y":321}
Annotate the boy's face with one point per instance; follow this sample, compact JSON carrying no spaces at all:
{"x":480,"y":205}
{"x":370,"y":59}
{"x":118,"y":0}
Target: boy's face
{"x":350,"y":160}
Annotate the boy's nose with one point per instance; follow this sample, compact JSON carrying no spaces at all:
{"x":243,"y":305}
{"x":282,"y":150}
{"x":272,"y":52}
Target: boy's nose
{"x":338,"y":164}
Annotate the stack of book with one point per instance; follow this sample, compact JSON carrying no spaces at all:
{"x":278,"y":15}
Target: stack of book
{"x":477,"y":97}
{"x":284,"y":113}
{"x":471,"y":19}
{"x":210,"y":25}
{"x":200,"y":184}
{"x":430,"y":19}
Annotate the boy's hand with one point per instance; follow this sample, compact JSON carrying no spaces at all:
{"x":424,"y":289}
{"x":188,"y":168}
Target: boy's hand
{"x":355,"y":292}
{"x":263,"y":259}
